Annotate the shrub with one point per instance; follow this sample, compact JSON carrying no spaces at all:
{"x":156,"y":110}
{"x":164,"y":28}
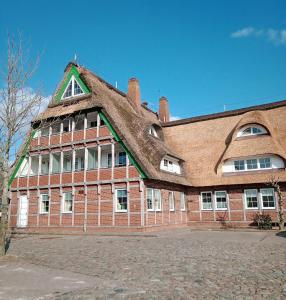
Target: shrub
{"x":263,"y":221}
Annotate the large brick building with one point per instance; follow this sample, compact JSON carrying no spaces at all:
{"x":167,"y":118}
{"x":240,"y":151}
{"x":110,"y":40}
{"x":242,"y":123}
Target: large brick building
{"x":98,"y":158}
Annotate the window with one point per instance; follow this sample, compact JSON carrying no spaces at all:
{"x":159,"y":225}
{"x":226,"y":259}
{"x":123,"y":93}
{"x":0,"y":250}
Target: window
{"x":91,"y":119}
{"x":79,"y":160}
{"x":67,"y":161}
{"x":170,"y":165}
{"x":268,"y":199}
{"x":253,"y":129}
{"x":45,"y":130}
{"x":182,"y":201}
{"x":253,"y":164}
{"x":73,"y":89}
{"x":152,"y":131}
{"x":56,"y":127}
{"x":109,"y":160}
{"x":67,"y":202}
{"x":45,"y":165}
{"x":45,"y":204}
{"x":264,"y":162}
{"x":67,"y":125}
{"x":23,"y":171}
{"x":221,"y":200}
{"x":92,"y":158}
{"x":56,"y":162}
{"x":121,"y":159}
{"x":171,"y":201}
{"x":34,"y":165}
{"x":206,"y":200}
{"x":251,"y":199}
{"x":121,"y":200}
{"x":79,"y":122}
{"x":239,"y":165}
{"x":154,"y":201}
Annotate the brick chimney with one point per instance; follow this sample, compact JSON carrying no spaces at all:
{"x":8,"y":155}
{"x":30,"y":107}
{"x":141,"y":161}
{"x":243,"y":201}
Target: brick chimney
{"x":134,"y":92}
{"x":164,"y":115}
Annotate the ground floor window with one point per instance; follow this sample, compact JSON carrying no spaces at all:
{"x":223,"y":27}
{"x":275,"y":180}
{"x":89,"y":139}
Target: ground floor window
{"x":67,"y":202}
{"x":206,"y":200}
{"x":121,"y":200}
{"x":182,"y":201}
{"x":221,"y":200}
{"x":171,"y":201}
{"x":45,"y":204}
{"x":154,"y":201}
{"x":265,"y":199}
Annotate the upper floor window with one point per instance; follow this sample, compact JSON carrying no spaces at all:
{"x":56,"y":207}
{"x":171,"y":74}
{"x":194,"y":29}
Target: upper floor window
{"x":253,"y":164}
{"x":251,"y":129}
{"x":72,"y":89}
{"x":170,"y":165}
{"x":152,"y":131}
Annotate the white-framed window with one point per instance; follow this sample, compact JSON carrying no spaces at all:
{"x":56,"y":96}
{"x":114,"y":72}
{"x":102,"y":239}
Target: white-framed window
{"x":72,"y":89}
{"x":121,"y":159}
{"x":220,"y":200}
{"x":79,"y":160}
{"x":171,"y":201}
{"x":182,"y":201}
{"x":206,"y":198}
{"x":24,"y":168}
{"x":91,"y":119}
{"x":67,"y":202}
{"x":56,"y":127}
{"x":152,"y":131}
{"x":121,"y":200}
{"x":67,"y":125}
{"x":92,"y":158}
{"x":45,"y":130}
{"x":251,"y":198}
{"x":79,"y":122}
{"x":253,"y":164}
{"x":251,"y":129}
{"x":170,"y":165}
{"x":67,"y":161}
{"x":44,"y":204}
{"x":34,"y":165}
{"x":267,"y":198}
{"x":45,"y":164}
{"x":56,"y":162}
{"x":154,"y":200}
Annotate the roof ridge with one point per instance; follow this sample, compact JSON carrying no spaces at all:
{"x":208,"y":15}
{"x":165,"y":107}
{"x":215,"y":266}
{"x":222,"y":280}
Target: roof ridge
{"x":229,"y":113}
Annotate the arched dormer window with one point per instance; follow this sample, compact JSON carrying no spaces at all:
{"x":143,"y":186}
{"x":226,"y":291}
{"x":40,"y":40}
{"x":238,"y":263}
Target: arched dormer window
{"x":251,"y":130}
{"x":73,"y":89}
{"x":170,"y":164}
{"x":153,"y":131}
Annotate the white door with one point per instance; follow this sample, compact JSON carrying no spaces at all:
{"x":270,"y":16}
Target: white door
{"x":23,"y":211}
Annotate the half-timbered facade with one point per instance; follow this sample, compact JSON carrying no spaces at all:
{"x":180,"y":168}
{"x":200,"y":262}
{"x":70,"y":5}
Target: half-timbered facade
{"x":99,"y":159}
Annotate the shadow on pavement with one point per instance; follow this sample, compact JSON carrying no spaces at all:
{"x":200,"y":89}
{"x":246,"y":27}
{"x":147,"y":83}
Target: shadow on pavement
{"x":281,"y":234}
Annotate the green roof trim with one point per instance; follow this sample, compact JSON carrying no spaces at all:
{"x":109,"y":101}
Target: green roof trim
{"x":118,"y":139}
{"x":22,"y":157}
{"x":72,"y":72}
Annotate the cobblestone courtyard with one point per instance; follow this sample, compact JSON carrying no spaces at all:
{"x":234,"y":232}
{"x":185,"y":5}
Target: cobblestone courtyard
{"x":173,"y":264}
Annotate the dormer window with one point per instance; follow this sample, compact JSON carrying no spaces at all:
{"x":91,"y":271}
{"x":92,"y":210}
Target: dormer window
{"x":170,"y":164}
{"x":152,"y":131}
{"x":251,"y":130}
{"x":253,"y":164}
{"x":73,"y":89}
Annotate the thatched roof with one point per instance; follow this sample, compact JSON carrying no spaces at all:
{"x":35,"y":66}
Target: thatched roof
{"x":212,"y":139}
{"x":130,"y":123}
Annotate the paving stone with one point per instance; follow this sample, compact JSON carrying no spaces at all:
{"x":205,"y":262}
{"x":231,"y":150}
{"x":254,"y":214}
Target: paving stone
{"x":172,"y":264}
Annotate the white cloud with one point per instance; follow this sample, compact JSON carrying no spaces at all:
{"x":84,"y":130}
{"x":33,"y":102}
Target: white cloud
{"x":174,"y":118}
{"x":275,"y":36}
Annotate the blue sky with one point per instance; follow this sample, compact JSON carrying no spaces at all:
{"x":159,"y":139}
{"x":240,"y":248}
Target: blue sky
{"x":201,"y":55}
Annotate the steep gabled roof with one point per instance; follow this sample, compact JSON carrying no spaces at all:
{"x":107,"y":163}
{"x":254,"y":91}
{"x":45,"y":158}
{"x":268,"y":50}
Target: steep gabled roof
{"x":130,"y":124}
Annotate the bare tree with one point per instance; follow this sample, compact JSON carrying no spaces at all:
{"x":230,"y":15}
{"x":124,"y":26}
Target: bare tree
{"x":18,"y":105}
{"x":275,"y":184}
